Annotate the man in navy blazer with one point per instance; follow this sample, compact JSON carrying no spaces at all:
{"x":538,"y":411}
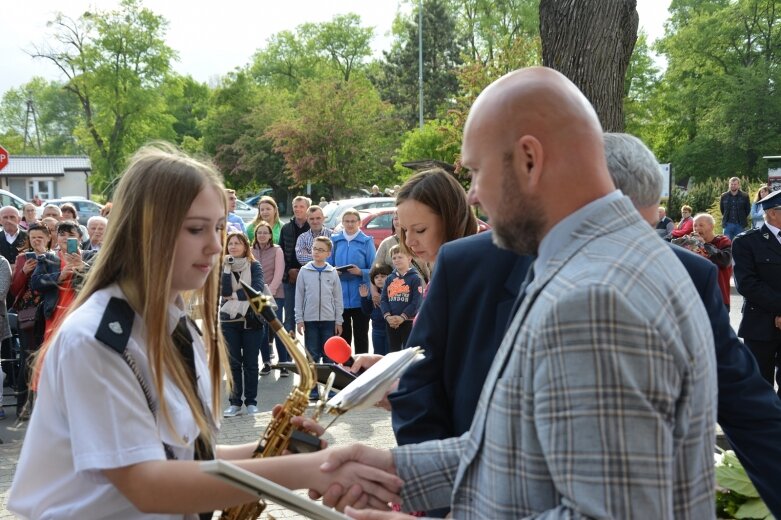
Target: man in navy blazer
{"x":437,"y":397}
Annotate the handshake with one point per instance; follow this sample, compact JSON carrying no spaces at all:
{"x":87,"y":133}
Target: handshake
{"x":357,"y":477}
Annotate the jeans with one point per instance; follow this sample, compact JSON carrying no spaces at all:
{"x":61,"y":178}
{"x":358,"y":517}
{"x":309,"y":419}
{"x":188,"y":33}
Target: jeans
{"x":282,"y":353}
{"x":379,"y":340}
{"x":315,"y":334}
{"x":732,"y":229}
{"x":356,"y":325}
{"x":265,"y":346}
{"x":290,"y":306}
{"x":243,"y":347}
{"x":397,"y":338}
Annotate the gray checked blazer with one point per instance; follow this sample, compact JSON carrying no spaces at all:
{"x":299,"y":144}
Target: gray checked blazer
{"x":601,"y":402}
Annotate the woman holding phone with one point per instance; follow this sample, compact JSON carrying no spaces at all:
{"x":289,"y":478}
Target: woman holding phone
{"x":59,"y":273}
{"x":26,"y":303}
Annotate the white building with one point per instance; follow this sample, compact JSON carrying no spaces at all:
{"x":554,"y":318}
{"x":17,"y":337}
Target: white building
{"x":48,"y":176}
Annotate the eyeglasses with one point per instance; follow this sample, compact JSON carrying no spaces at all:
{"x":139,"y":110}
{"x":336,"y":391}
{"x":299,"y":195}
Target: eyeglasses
{"x":320,"y":250}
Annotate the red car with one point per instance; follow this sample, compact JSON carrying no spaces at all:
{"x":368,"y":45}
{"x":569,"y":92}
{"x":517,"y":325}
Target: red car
{"x":377,"y":223}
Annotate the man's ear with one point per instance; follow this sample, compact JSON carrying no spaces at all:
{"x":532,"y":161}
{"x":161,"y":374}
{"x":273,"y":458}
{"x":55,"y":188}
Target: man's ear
{"x":528,"y":158}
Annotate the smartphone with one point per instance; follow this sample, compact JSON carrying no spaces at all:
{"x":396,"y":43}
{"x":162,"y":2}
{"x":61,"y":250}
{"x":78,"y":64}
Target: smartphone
{"x":73,"y":245}
{"x":30,"y":255}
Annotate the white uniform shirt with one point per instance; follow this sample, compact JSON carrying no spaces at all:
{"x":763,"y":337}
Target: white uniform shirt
{"x":91,"y":414}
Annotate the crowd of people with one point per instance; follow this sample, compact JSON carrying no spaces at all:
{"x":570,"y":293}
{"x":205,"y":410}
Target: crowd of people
{"x":552,"y":384}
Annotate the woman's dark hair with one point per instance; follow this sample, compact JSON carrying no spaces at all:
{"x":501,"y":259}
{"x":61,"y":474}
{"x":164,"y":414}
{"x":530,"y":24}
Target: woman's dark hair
{"x":442,"y":193}
{"x":379,"y":269}
{"x":66,"y":226}
{"x":69,"y":207}
{"x":38,"y":227}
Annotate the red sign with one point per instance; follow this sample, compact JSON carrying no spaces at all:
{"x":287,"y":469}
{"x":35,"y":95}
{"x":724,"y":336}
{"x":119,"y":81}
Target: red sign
{"x":3,"y":157}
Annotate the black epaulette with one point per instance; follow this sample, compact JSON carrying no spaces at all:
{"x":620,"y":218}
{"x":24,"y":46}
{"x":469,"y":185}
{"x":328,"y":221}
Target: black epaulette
{"x":748,"y":232}
{"x":116,"y":325}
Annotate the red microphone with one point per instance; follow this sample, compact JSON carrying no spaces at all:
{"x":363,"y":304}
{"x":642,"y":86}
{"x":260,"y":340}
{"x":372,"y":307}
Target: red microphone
{"x":339,"y":350}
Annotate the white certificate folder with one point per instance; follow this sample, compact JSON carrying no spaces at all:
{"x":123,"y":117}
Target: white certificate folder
{"x":264,"y":488}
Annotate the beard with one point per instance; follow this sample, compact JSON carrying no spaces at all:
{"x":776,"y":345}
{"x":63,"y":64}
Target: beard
{"x":519,"y":222}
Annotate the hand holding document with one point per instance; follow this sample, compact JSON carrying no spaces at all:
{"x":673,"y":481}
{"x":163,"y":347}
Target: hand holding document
{"x":371,"y":386}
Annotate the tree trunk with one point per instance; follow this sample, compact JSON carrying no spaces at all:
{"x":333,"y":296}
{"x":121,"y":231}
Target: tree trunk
{"x":591,"y":42}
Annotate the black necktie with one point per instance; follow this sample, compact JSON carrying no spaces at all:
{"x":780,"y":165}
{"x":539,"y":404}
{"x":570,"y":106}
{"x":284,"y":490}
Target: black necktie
{"x":521,"y":295}
{"x":184,"y":342}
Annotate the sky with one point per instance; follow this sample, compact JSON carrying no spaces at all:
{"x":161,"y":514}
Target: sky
{"x":212,"y":38}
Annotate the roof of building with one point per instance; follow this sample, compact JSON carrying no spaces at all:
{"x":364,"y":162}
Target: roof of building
{"x":45,"y":165}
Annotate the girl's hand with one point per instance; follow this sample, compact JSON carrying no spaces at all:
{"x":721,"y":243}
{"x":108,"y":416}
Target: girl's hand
{"x":363,"y":290}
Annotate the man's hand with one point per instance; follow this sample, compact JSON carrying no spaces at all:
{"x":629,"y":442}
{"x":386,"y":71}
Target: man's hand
{"x":338,"y":329}
{"x":300,"y":327}
{"x":364,"y":361}
{"x":778,"y":322}
{"x":340,"y":494}
{"x":292,"y":275}
{"x":355,"y":270}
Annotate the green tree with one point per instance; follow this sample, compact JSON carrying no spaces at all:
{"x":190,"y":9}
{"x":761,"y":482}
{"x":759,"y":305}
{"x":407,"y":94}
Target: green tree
{"x":343,"y":41}
{"x":225,"y":120}
{"x":442,"y":48}
{"x":437,"y":140}
{"x":339,"y":134}
{"x":56,"y":117}
{"x":642,"y":80}
{"x":115,"y":62}
{"x":187,"y":101}
{"x":338,"y":47}
{"x":495,"y":30}
{"x":720,"y":107}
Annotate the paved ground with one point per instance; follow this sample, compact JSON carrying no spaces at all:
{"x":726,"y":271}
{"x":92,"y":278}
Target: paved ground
{"x":370,"y":427}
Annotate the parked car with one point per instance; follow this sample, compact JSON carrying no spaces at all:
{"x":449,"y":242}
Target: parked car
{"x":377,"y":223}
{"x":86,"y":208}
{"x":245,"y":211}
{"x":9,"y":199}
{"x":253,"y":201}
{"x":334,"y":210}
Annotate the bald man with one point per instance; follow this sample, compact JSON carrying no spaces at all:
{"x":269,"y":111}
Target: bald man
{"x":594,"y":406}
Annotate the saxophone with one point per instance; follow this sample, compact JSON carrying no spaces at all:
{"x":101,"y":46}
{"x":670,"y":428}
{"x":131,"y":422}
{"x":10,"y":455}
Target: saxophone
{"x":279,"y":433}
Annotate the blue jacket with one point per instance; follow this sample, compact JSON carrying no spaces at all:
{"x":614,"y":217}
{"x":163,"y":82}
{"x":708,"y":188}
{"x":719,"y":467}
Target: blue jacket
{"x":375,"y":313}
{"x":358,"y":251}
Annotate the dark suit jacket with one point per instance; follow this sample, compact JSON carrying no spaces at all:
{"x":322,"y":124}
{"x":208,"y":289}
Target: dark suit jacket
{"x":476,"y":283}
{"x":11,"y":251}
{"x":749,"y":411}
{"x":460,"y":325}
{"x":757,"y":255}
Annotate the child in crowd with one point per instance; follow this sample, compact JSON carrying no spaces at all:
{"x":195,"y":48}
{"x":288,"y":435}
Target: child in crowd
{"x":401,"y":297}
{"x":319,"y":305}
{"x":377,"y":275}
